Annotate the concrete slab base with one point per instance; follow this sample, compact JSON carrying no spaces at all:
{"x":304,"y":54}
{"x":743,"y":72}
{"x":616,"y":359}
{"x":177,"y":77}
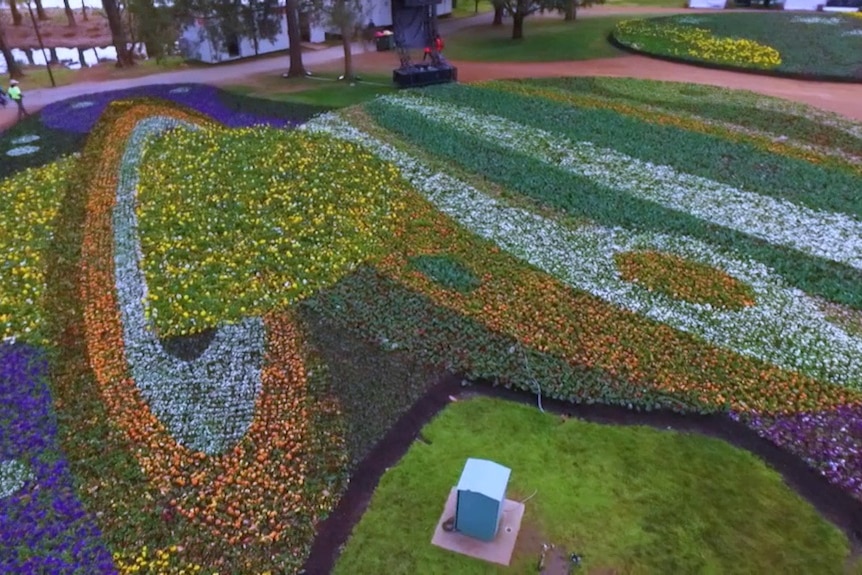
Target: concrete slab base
{"x":497,"y":551}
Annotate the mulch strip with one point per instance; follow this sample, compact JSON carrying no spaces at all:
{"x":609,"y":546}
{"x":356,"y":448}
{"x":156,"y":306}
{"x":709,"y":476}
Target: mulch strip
{"x":831,"y":501}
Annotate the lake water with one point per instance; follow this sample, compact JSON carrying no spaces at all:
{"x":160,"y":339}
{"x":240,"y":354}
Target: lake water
{"x":71,"y":58}
{"x":76,"y":4}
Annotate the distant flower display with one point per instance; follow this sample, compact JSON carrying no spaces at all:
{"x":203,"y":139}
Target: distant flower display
{"x":80,"y":114}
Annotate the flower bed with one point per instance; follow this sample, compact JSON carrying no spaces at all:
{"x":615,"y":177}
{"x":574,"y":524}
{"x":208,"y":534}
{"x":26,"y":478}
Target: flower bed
{"x":258,"y":221}
{"x":80,"y":114}
{"x":812,"y":46}
{"x":30,"y":204}
{"x":43,"y":526}
{"x":519,"y":233}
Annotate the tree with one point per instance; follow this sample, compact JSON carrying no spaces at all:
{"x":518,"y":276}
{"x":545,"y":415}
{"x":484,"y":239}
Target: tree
{"x":40,"y":11}
{"x":348,"y":17}
{"x":570,"y":8}
{"x":498,"y":13}
{"x":12,"y":66}
{"x":84,"y":10}
{"x":294,"y":37}
{"x":520,"y":9}
{"x":155,"y":25}
{"x":17,"y":18}
{"x":70,"y":15}
{"x":118,"y":33}
{"x":259,"y":20}
{"x":227,"y":22}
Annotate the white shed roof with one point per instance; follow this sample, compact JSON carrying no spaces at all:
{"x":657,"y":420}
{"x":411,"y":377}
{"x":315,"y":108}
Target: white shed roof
{"x":485,"y":477}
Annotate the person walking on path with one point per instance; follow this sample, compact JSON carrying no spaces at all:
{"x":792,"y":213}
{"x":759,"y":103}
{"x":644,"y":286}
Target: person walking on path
{"x":16,"y":96}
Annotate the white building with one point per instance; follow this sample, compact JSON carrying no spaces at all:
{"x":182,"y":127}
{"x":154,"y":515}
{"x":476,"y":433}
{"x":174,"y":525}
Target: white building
{"x":197,"y":43}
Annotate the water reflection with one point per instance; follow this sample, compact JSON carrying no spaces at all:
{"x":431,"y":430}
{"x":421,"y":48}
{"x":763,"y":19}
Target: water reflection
{"x":71,"y":58}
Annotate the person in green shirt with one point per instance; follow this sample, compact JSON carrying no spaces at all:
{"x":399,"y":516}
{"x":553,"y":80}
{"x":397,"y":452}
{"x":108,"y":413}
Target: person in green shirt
{"x":16,"y":96}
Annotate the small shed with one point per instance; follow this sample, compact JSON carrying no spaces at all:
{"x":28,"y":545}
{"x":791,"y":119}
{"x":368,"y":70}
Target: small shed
{"x":481,"y":494}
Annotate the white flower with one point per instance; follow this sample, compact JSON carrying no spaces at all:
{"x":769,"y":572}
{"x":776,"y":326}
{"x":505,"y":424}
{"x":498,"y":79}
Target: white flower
{"x":82,"y":104}
{"x":829,"y":235}
{"x":785,"y":327}
{"x":25,"y":139}
{"x":207,"y":404}
{"x":22,"y":151}
{"x":827,"y":20}
{"x":13,"y":476}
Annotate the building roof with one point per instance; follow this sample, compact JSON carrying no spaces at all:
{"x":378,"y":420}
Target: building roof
{"x":485,"y":477}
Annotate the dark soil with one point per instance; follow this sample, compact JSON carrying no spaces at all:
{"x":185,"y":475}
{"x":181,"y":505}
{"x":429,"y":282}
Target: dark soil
{"x":833,"y":503}
{"x":189,"y":347}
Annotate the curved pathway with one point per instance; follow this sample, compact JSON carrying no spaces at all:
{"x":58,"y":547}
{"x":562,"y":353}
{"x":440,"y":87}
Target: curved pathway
{"x":840,"y":98}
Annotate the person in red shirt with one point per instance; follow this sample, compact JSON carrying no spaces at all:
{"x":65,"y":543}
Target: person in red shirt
{"x":438,"y":47}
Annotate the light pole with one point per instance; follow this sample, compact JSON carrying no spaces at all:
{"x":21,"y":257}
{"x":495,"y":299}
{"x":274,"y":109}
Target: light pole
{"x":41,"y":44}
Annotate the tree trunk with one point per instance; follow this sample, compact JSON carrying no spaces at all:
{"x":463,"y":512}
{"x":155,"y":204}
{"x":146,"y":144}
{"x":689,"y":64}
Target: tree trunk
{"x":40,"y":11}
{"x":84,"y":11}
{"x":70,"y":16}
{"x":349,"y":76}
{"x":498,"y":15}
{"x":294,"y":37}
{"x":17,"y":18}
{"x":54,"y":58}
{"x":571,"y":13}
{"x":517,"y":26}
{"x":11,"y":65}
{"x":118,"y":34}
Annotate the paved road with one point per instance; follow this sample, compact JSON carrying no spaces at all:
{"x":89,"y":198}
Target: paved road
{"x":841,"y":98}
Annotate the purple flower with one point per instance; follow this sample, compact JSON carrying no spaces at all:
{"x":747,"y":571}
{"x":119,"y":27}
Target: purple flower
{"x":829,"y":441}
{"x":43,"y":526}
{"x":80,"y":114}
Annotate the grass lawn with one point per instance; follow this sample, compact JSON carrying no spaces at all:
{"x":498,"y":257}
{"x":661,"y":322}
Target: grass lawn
{"x":323,"y":90}
{"x":37,"y":76}
{"x":467,"y":8}
{"x":813,"y":46}
{"x":656,"y":3}
{"x":628,"y":499}
{"x":544,"y":41}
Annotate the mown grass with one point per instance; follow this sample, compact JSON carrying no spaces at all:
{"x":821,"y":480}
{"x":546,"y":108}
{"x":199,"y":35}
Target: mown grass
{"x":544,"y":41}
{"x":38,"y":77}
{"x":321,"y":90}
{"x":629,"y":499}
{"x":468,"y":8}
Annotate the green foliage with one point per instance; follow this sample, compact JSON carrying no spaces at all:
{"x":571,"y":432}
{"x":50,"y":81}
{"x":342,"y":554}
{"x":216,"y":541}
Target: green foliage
{"x":809,"y":44}
{"x":373,"y":385}
{"x":581,"y":197}
{"x":227,"y":21}
{"x":447,"y":271}
{"x":629,"y":499}
{"x":156,"y":25}
{"x":780,"y":118}
{"x":547,"y":41}
{"x":52,"y":144}
{"x":741,"y":165}
{"x":376,"y":308}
